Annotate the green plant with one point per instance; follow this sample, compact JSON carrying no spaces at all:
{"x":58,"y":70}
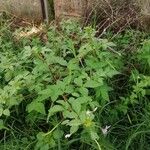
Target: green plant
{"x":66,"y":78}
{"x":74,"y":90}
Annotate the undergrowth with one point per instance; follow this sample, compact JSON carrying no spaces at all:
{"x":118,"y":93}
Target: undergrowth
{"x":75,"y":90}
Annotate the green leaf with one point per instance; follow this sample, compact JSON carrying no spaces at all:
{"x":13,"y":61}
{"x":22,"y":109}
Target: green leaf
{"x":92,"y":62}
{"x":75,"y":122}
{"x":111,"y":72}
{"x":45,"y":147}
{"x":84,"y":100}
{"x":76,"y":105}
{"x":13,"y":101}
{"x":83,"y":91}
{"x":57,"y":134}
{"x":71,"y":115}
{"x":8,"y":76}
{"x":53,"y":91}
{"x":65,"y":122}
{"x":74,"y":129}
{"x":104,"y":92}
{"x":78,"y":81}
{"x":148,"y":92}
{"x":55,"y":109}
{"x":36,"y":106}
{"x":52,"y":59}
{"x":40,"y":67}
{"x":63,"y":103}
{"x":27,"y":52}
{"x":84,"y":50}
{"x":61,"y":61}
{"x":75,"y":94}
{"x":92,"y":84}
{"x":73,"y":65}
{"x":1,"y":111}
{"x":40,"y":136}
{"x":6,"y":112}
{"x":94,"y":135}
{"x":67,"y":80}
{"x":46,"y":93}
{"x":2,"y":125}
{"x":83,"y":116}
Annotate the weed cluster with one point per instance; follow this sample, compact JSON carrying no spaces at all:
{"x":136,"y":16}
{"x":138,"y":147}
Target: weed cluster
{"x":75,"y":91}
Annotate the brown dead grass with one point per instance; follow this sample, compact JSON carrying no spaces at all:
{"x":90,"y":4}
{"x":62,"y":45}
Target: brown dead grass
{"x":114,"y":14}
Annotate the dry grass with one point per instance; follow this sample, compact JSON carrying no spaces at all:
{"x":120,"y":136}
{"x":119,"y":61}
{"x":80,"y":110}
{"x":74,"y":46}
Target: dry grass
{"x":145,"y":7}
{"x":119,"y":14}
{"x":145,"y":13}
{"x":34,"y":31}
{"x":116,"y":14}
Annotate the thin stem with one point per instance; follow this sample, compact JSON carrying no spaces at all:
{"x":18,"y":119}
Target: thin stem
{"x":99,"y":147}
{"x":52,"y":129}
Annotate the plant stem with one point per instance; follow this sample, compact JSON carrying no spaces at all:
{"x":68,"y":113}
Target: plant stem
{"x":99,"y":147}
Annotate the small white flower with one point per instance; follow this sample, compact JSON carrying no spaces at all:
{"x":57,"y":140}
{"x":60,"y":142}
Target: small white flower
{"x":95,"y":109}
{"x":88,"y":112}
{"x":105,"y":130}
{"x":67,"y":136}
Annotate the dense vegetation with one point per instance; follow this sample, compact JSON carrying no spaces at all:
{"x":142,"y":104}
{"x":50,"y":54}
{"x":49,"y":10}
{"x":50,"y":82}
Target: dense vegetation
{"x":74,"y":90}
